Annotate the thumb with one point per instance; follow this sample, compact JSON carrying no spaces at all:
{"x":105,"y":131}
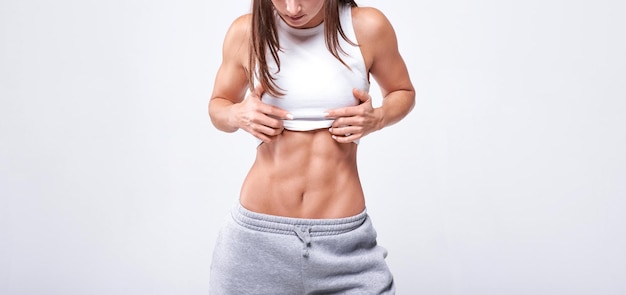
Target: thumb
{"x":258,"y":90}
{"x":361,"y":95}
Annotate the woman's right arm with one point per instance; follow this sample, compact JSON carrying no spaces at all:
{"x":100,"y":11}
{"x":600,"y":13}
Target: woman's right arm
{"x":228,"y":109}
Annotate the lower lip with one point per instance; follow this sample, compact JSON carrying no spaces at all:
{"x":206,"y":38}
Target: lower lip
{"x":295,"y":19}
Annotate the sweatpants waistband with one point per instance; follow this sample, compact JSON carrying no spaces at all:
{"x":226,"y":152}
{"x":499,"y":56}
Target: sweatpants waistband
{"x":285,"y":225}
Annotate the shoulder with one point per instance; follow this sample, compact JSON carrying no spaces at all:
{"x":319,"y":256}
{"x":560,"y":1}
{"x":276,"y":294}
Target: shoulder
{"x":235,"y":46}
{"x":374,"y":33}
{"x":239,"y":30}
{"x":370,"y":23}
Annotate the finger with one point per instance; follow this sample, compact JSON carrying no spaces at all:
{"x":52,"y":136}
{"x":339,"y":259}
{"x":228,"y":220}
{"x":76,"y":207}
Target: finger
{"x":255,"y":116}
{"x":271,"y":122}
{"x":256,"y":93}
{"x":264,"y":133}
{"x":346,"y":139}
{"x":361,"y":95}
{"x":261,"y":137}
{"x":276,"y":112}
{"x":348,"y":121}
{"x":345,"y":130}
{"x":265,"y":138}
{"x":268,"y":131}
{"x":359,"y":110}
{"x":342,"y":112}
{"x":259,"y":90}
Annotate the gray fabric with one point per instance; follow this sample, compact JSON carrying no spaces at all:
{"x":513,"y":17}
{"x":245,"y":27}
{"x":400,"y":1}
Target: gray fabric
{"x":272,"y":255}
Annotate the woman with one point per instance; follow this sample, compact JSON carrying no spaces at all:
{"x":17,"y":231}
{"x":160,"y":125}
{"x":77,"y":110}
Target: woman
{"x":300,"y":226}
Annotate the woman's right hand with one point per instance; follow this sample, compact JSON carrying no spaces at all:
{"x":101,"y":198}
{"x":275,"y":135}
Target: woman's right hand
{"x":262,"y":120}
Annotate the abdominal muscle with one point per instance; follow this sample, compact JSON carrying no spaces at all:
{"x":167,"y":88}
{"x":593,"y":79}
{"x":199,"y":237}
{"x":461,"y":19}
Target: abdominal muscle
{"x":304,"y":174}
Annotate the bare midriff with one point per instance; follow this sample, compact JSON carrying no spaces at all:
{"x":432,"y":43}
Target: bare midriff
{"x":304,"y":174}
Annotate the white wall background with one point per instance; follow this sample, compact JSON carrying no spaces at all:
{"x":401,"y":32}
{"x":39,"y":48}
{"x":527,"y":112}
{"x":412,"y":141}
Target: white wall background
{"x":509,"y":177}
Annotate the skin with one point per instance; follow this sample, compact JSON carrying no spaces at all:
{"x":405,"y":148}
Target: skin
{"x":300,"y":14}
{"x":310,"y":174}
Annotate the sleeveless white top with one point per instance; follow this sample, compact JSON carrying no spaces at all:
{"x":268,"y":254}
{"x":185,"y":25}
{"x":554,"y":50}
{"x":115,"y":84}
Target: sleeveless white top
{"x":312,"y":79}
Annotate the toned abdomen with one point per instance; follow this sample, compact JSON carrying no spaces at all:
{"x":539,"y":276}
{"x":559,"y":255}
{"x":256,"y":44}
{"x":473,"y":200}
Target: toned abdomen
{"x":305,"y":175}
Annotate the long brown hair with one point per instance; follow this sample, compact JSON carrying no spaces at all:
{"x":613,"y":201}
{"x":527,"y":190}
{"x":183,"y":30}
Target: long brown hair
{"x":265,"y":36}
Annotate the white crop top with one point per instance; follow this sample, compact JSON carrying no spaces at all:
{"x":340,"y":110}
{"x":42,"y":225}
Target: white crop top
{"x":312,"y":79}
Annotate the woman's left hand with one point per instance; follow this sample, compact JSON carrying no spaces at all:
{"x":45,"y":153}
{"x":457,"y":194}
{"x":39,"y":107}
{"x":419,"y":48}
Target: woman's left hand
{"x":352,"y":123}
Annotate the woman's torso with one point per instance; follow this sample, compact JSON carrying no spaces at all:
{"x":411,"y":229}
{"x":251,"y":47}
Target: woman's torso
{"x":303,"y":172}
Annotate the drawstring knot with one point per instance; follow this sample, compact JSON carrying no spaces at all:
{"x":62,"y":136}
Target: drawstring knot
{"x":304,"y":234}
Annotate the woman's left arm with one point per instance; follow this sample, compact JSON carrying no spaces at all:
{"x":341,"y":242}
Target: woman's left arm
{"x":379,"y":47}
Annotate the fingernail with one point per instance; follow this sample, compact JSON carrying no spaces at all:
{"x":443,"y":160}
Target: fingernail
{"x":326,"y":114}
{"x":330,"y":129}
{"x":289,"y":116}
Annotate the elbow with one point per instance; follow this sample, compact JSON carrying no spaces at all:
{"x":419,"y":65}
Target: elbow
{"x":411,"y":98}
{"x":408,"y":98}
{"x":211,"y":113}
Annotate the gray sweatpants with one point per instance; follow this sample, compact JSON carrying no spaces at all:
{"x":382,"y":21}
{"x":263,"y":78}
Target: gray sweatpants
{"x":271,"y":255}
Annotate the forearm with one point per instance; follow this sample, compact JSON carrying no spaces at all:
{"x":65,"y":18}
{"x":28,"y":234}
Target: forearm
{"x":220,"y":113}
{"x":396,"y":105}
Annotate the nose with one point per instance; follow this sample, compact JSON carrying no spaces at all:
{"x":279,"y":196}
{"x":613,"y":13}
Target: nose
{"x":293,"y":7}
